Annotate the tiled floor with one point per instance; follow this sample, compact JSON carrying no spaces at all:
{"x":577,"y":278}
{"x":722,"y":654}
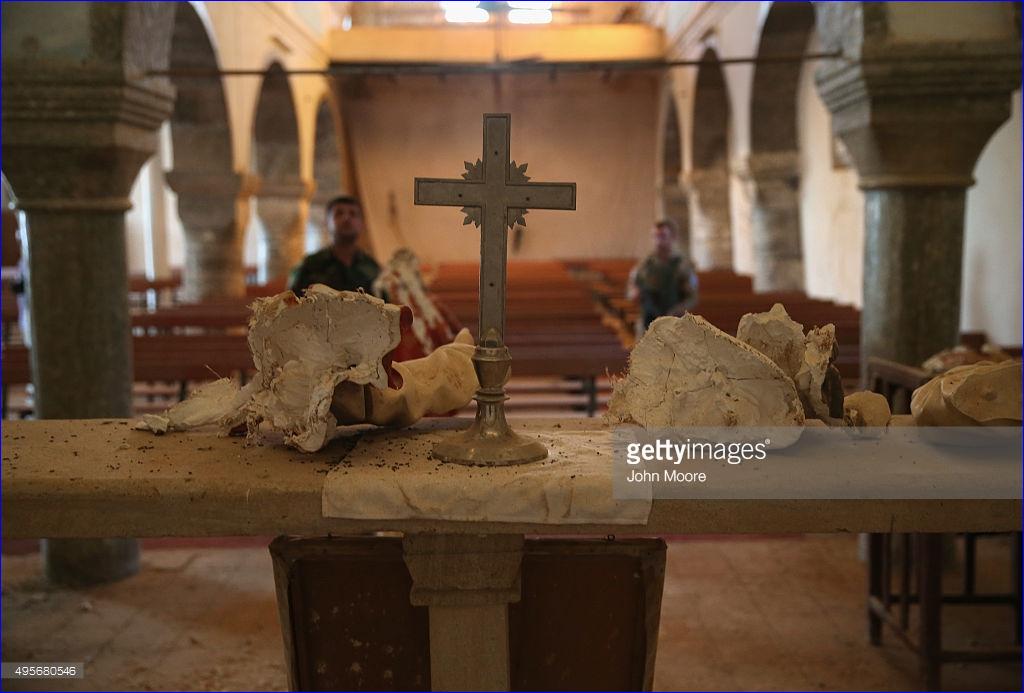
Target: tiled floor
{"x":739,"y":614}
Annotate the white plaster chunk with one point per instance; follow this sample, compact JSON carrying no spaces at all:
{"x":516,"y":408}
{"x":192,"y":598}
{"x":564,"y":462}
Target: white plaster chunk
{"x":304,"y":348}
{"x":867,"y":412}
{"x":686,"y":372}
{"x":207,"y":404}
{"x":810,"y":379}
{"x":866,"y":409}
{"x":981,"y":394}
{"x":777,"y":336}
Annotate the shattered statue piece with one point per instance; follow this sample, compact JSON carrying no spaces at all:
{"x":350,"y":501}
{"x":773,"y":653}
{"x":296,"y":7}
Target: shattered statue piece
{"x":818,"y":381}
{"x":687,"y":372}
{"x":980,"y":394}
{"x":208,"y":404}
{"x":866,"y":411}
{"x":776,"y":335}
{"x":441,"y":382}
{"x":304,"y":350}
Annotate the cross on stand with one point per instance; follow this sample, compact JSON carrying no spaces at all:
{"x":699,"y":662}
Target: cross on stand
{"x":494,"y":193}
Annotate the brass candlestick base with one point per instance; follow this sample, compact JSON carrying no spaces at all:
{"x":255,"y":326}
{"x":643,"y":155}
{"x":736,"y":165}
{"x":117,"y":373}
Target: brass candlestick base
{"x":489,"y":441}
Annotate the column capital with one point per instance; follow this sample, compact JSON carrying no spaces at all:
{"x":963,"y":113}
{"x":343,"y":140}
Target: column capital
{"x":79,"y":147}
{"x":914,"y":109}
{"x":773,"y":165}
{"x":208,"y":201}
{"x":295,"y":188}
{"x":696,"y":178}
{"x":463,"y":569}
{"x":213,"y":184}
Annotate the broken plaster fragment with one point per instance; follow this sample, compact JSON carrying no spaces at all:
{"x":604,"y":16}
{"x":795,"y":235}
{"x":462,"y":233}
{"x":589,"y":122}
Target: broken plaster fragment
{"x":207,"y":404}
{"x":686,"y":372}
{"x":443,"y":381}
{"x":980,"y":394}
{"x":867,"y":413}
{"x":818,"y":382}
{"x":775,"y":335}
{"x":303,"y":349}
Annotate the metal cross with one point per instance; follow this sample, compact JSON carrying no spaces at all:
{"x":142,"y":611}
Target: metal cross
{"x":494,"y":193}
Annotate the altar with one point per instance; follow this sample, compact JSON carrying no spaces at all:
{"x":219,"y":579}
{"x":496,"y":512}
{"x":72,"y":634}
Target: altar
{"x":101,"y":478}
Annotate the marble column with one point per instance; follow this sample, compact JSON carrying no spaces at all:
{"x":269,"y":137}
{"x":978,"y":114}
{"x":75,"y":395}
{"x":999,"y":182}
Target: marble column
{"x":79,"y":122}
{"x":282,"y":205}
{"x":710,"y":226}
{"x":778,"y":258}
{"x":467,"y":581}
{"x":914,"y":111}
{"x":214,"y":211}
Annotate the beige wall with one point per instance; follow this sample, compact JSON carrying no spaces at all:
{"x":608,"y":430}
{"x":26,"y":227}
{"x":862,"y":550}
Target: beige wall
{"x":992,"y":238}
{"x":597,"y":132}
{"x":831,"y":204}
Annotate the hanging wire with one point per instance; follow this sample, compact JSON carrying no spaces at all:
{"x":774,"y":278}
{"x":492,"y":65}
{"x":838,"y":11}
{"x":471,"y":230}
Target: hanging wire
{"x":343,"y":69}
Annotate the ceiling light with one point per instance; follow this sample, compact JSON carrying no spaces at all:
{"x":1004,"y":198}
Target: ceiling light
{"x":464,"y":12}
{"x":529,"y":16}
{"x":529,"y":5}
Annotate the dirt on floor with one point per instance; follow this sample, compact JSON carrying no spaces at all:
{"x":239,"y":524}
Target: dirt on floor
{"x":778,"y":613}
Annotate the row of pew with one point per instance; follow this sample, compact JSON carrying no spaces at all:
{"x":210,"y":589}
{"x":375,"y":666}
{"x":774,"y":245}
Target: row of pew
{"x":568,"y":329}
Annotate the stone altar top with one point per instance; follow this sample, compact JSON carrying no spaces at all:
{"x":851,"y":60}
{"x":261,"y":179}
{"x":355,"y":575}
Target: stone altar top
{"x":100,"y":478}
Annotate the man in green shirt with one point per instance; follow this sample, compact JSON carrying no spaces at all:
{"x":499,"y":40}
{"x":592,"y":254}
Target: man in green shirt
{"x":341,"y":265}
{"x":664,"y":282}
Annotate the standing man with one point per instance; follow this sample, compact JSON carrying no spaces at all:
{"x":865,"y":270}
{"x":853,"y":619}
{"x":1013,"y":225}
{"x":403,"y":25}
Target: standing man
{"x":664,"y":282}
{"x":341,"y":265}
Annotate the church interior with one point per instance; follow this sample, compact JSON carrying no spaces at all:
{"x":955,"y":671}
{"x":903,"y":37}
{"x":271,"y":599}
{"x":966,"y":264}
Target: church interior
{"x":588,"y":217}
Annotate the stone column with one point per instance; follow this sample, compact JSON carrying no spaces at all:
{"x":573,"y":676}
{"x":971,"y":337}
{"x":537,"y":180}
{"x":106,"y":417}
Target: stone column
{"x":710,"y":226}
{"x":282,"y":205}
{"x":778,"y":258}
{"x":467,"y":581}
{"x":675,"y":206}
{"x":914,"y":112}
{"x":214,"y":211}
{"x":79,"y":121}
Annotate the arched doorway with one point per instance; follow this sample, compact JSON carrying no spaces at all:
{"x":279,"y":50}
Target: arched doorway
{"x":212,"y":214}
{"x":708,"y":178}
{"x":281,"y":200}
{"x":327,"y":172}
{"x":774,"y":149}
{"x":673,"y":196}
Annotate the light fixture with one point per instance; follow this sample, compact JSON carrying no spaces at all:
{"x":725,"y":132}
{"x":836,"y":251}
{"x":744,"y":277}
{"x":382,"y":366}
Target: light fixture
{"x":529,"y":5}
{"x":529,"y":16}
{"x":464,"y":12}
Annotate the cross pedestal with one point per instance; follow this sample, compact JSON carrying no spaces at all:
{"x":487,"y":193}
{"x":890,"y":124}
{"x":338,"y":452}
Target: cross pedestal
{"x":494,"y":193}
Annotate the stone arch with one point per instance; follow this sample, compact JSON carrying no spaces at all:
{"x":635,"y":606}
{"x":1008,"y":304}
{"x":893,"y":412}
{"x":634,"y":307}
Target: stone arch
{"x":328,"y":170}
{"x":212,"y":202}
{"x":673,"y":196}
{"x":281,"y":201}
{"x":708,"y":178}
{"x":774,"y":149}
